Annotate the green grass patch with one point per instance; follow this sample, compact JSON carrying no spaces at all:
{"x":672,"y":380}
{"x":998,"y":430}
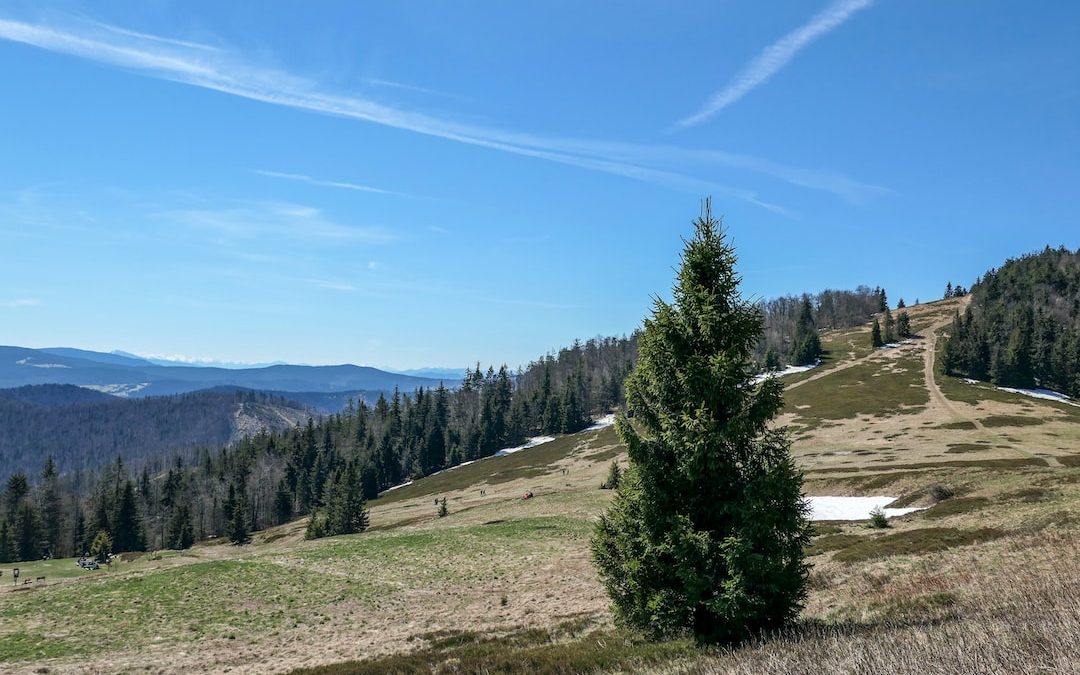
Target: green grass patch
{"x":1012,"y":421}
{"x":964,"y":448}
{"x":957,"y":426}
{"x":872,"y":388}
{"x":832,"y":542}
{"x":543,"y":652}
{"x":1069,"y":460}
{"x":915,"y":542}
{"x":179,"y":604}
{"x":957,"y":506}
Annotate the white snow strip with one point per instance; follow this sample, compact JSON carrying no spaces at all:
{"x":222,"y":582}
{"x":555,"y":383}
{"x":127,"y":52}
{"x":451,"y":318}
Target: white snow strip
{"x":605,"y":421}
{"x":397,"y":486}
{"x":117,"y":389}
{"x":852,"y":508}
{"x":26,"y":362}
{"x":790,"y":370}
{"x":1045,"y":394}
{"x":531,"y":443}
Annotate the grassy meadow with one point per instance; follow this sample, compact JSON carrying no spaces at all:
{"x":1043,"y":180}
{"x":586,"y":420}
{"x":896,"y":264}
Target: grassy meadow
{"x":985,"y":579}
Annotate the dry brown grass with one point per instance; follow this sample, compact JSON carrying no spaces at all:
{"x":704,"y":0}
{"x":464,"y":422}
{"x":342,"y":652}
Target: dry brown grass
{"x":1014,"y":608}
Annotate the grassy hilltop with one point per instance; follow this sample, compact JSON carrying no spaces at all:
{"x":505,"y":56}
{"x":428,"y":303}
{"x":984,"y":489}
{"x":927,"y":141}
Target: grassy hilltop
{"x":984,"y":580}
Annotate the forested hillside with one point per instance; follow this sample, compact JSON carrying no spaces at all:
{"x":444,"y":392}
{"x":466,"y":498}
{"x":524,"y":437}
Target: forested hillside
{"x":84,"y":429}
{"x":792,"y":322}
{"x":1022,"y":326}
{"x":271,"y":477}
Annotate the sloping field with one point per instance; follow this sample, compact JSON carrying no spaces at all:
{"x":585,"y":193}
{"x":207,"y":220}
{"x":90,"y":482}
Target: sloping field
{"x":505,"y":584}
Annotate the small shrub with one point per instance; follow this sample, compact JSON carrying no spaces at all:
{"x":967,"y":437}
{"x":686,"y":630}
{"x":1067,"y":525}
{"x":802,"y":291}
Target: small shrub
{"x":316,"y":527}
{"x":503,"y":601}
{"x":940,"y":493}
{"x":878,"y":521}
{"x":101,"y":548}
{"x":443,"y":510}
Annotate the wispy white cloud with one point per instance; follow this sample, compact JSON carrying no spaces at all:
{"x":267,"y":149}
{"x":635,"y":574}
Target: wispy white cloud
{"x":775,"y":57}
{"x":331,"y":284}
{"x":216,"y":69}
{"x":155,"y":38}
{"x":412,"y":87}
{"x":260,"y":220}
{"x":19,"y":302}
{"x":301,"y":178}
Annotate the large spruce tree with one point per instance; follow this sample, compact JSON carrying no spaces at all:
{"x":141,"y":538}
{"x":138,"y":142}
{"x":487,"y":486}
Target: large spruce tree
{"x":707,"y":528}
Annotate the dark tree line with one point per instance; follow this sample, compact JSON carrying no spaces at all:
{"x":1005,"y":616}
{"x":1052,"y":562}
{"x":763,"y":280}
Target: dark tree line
{"x":792,"y":323}
{"x":326,"y":469}
{"x":956,"y":291}
{"x":1022,"y":327}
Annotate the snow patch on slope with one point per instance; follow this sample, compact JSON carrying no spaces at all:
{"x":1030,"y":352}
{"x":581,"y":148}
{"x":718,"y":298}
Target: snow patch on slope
{"x":531,"y":443}
{"x":1045,"y":394}
{"x":853,"y":508}
{"x":790,"y":370}
{"x":123,"y":390}
{"x":27,"y":362}
{"x":605,"y":421}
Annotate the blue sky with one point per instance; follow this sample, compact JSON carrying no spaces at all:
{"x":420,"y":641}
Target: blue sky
{"x":429,"y":183}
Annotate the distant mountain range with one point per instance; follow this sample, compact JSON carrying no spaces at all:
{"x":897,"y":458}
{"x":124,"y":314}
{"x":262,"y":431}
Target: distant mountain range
{"x":451,"y":376}
{"x":131,"y":376}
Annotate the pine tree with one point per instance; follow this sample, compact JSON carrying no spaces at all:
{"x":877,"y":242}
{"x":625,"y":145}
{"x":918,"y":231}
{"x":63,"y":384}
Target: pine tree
{"x":948,"y":290}
{"x":806,"y":346}
{"x":614,"y":477}
{"x":181,"y":535}
{"x":875,"y":335}
{"x":890,"y":326}
{"x":283,"y":503}
{"x":239,"y":527}
{"x":346,"y":511}
{"x":51,"y":512}
{"x":444,"y":510}
{"x":707,"y":528}
{"x":127,"y":533}
{"x":27,"y":533}
{"x":900,"y":304}
{"x":78,"y":528}
{"x":7,"y":549}
{"x":772,"y":360}
{"x":903,"y":325}
{"x":16,"y":490}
